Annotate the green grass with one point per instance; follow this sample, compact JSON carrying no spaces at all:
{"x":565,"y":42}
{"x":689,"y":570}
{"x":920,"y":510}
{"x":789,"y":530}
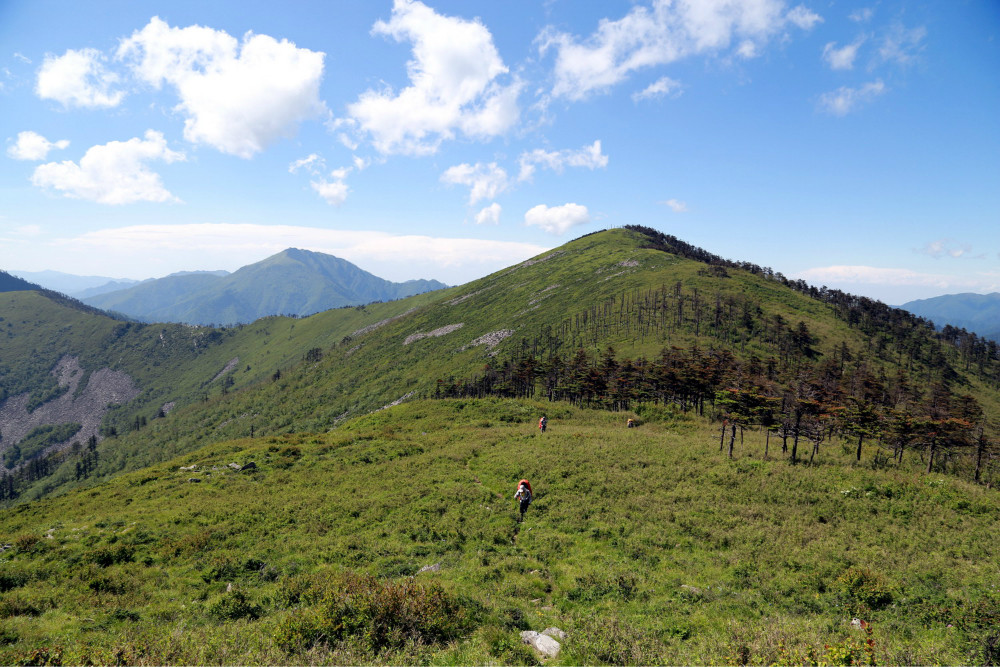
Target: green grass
{"x":353,"y":373}
{"x":646,"y":545}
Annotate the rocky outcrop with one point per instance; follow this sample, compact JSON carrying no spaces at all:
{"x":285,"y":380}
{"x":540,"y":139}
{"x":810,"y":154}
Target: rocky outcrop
{"x":86,"y":407}
{"x":544,"y":643}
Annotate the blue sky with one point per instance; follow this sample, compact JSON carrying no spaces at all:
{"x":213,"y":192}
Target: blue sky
{"x":851,"y":144}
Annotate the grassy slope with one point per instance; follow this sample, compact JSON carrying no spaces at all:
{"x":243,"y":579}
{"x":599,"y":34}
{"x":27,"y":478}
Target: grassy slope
{"x":363,"y":372}
{"x":376,"y":368}
{"x":646,"y":545}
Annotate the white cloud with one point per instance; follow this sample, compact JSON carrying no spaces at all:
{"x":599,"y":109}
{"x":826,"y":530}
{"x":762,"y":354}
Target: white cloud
{"x":845,"y":99}
{"x":21,"y":57}
{"x":237,"y":97}
{"x":861,"y":15}
{"x":803,"y":18}
{"x":334,"y":191}
{"x":871,"y":275}
{"x":589,"y":157}
{"x":312,"y":163}
{"x":455,"y":76}
{"x":557,"y":219}
{"x":78,"y":79}
{"x":489,"y":215}
{"x":33,"y":146}
{"x":112,"y":173}
{"x":946,"y":248}
{"x":841,"y":58}
{"x":485,"y":181}
{"x":901,"y":45}
{"x":662,"y":87}
{"x":663,"y":33}
{"x":676,"y":205}
{"x":143,"y":251}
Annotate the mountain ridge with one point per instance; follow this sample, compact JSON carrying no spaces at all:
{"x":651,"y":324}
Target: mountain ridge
{"x":514,"y":331}
{"x":292,"y":282}
{"x":977,"y":313}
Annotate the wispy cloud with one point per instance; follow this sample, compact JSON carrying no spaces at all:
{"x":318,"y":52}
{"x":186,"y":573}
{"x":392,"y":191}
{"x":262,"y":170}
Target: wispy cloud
{"x":846,"y":99}
{"x":841,"y":58}
{"x":676,"y":205}
{"x":663,"y":87}
{"x":588,"y":157}
{"x":902,"y":45}
{"x":946,"y":248}
{"x":662,"y":33}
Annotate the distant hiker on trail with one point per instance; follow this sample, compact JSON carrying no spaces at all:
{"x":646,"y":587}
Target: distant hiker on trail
{"x":524,"y":496}
{"x":542,"y":423}
{"x":630,"y":423}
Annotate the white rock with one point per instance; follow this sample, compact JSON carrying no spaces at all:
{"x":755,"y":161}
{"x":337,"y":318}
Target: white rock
{"x":544,"y":644}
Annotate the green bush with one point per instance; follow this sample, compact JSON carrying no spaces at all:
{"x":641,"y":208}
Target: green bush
{"x":861,"y":586}
{"x":384,"y":615}
{"x":233,"y":605}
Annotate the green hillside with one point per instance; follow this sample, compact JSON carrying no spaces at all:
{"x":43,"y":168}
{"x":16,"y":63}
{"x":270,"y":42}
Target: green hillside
{"x":614,"y":320}
{"x":394,"y":540}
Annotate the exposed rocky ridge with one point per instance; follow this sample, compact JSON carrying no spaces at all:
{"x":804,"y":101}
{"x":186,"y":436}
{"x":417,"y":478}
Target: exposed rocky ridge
{"x":87,"y":407}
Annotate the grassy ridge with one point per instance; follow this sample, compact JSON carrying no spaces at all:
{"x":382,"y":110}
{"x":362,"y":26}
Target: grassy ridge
{"x":646,"y":545}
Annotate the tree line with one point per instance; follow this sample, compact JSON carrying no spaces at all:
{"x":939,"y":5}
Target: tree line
{"x":805,"y":402}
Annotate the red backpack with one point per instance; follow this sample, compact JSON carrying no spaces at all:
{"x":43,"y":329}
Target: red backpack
{"x":526,"y":483}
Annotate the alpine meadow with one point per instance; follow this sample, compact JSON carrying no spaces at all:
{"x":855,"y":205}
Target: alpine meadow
{"x":808,"y":477}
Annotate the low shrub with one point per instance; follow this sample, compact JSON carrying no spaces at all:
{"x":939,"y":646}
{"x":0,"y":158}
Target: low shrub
{"x":385,"y":615}
{"x":861,"y":589}
{"x":233,"y":605}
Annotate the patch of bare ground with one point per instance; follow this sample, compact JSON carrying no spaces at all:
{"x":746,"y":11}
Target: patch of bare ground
{"x":531,"y":262}
{"x":490,"y":340}
{"x":440,"y":331}
{"x":227,"y":368}
{"x":88,"y":407}
{"x":381,"y":323}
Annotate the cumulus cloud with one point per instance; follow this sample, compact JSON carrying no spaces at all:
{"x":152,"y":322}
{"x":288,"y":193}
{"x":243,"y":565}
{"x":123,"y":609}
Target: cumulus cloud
{"x":663,"y":33}
{"x":112,"y":173}
{"x":676,"y":205}
{"x":143,"y":251}
{"x":455,"y":85}
{"x":78,"y":79}
{"x":557,"y":219}
{"x":334,"y":190}
{"x":589,"y":157}
{"x":33,"y":146}
{"x":846,"y":99}
{"x":489,"y":215}
{"x":662,"y":87}
{"x":236,"y":96}
{"x":843,"y":57}
{"x":485,"y":181}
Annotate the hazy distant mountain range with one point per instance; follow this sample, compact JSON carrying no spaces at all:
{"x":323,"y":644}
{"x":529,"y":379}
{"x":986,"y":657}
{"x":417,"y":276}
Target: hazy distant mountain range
{"x":293,"y":282}
{"x":977,"y":313}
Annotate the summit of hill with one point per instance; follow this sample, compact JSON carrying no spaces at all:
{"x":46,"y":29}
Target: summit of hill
{"x":293,"y":282}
